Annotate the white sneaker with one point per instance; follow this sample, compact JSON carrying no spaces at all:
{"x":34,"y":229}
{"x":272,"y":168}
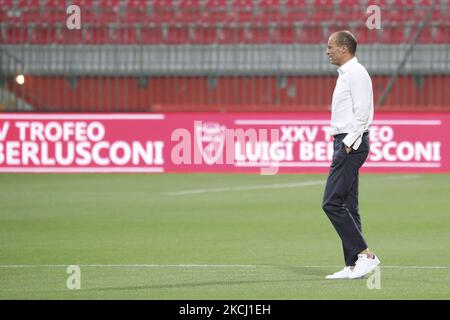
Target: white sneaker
{"x":363,"y":266}
{"x":343,"y":274}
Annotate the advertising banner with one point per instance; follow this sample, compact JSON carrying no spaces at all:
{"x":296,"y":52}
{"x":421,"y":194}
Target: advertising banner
{"x":266,"y":143}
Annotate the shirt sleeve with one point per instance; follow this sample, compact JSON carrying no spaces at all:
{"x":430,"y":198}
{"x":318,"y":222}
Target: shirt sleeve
{"x":361,"y":92}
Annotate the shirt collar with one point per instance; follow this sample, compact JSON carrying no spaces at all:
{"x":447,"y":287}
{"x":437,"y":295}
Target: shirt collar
{"x":347,"y":66}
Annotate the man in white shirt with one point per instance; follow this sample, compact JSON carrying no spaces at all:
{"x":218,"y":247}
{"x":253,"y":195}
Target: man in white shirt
{"x":351,"y":115}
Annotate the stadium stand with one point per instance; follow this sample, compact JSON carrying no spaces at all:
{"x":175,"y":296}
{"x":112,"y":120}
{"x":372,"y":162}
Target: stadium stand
{"x":165,"y":21}
{"x":187,"y":49}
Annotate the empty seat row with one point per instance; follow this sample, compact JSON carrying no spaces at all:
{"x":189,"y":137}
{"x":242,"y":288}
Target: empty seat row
{"x":206,"y":34}
{"x":219,"y":17}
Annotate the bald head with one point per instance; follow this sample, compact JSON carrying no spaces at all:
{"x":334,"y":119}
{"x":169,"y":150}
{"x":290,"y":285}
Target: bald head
{"x":341,"y":47}
{"x":347,"y":39}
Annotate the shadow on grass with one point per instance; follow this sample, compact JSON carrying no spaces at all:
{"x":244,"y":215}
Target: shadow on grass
{"x":190,"y":285}
{"x":298,"y":274}
{"x":318,"y":273}
{"x":305,"y":274}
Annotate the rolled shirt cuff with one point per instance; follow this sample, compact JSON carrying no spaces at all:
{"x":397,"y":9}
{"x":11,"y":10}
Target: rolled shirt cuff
{"x":353,"y":140}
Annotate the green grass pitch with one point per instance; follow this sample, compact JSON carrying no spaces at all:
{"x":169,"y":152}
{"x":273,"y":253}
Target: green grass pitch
{"x":195,"y":236}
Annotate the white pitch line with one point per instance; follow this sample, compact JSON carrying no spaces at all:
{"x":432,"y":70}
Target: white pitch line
{"x":271,"y":186}
{"x":245,"y":188}
{"x":382,"y":267}
{"x":18,"y":266}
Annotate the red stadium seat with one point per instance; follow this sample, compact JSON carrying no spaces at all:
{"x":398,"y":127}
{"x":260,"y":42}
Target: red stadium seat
{"x":310,"y":34}
{"x":176,"y":34}
{"x":298,"y":10}
{"x":215,"y":11}
{"x":15,"y":34}
{"x":6,"y":4}
{"x":152,"y":34}
{"x":243,"y":10}
{"x":85,"y":3}
{"x":32,"y":15}
{"x":108,"y":3}
{"x":140,"y":5}
{"x":190,"y":11}
{"x":212,"y":20}
{"x":442,"y":34}
{"x":261,"y":34}
{"x":323,"y":10}
{"x":29,"y":4}
{"x":136,"y":12}
{"x":267,"y":11}
{"x":392,"y":34}
{"x":349,"y":10}
{"x":163,"y":11}
{"x":51,"y":4}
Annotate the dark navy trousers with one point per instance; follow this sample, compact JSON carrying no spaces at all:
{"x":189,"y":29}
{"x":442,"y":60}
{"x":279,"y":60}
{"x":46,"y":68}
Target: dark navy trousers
{"x":340,"y":200}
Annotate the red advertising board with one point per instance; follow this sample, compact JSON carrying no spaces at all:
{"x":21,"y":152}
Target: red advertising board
{"x":265,"y":143}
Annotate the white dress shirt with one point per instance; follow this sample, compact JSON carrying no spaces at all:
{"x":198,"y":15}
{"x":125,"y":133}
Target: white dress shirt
{"x":352,"y":104}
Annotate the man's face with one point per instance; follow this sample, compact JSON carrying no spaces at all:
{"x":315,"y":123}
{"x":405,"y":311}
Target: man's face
{"x":334,"y":52}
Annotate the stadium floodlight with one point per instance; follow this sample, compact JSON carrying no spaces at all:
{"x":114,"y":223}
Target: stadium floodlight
{"x":20,"y":79}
